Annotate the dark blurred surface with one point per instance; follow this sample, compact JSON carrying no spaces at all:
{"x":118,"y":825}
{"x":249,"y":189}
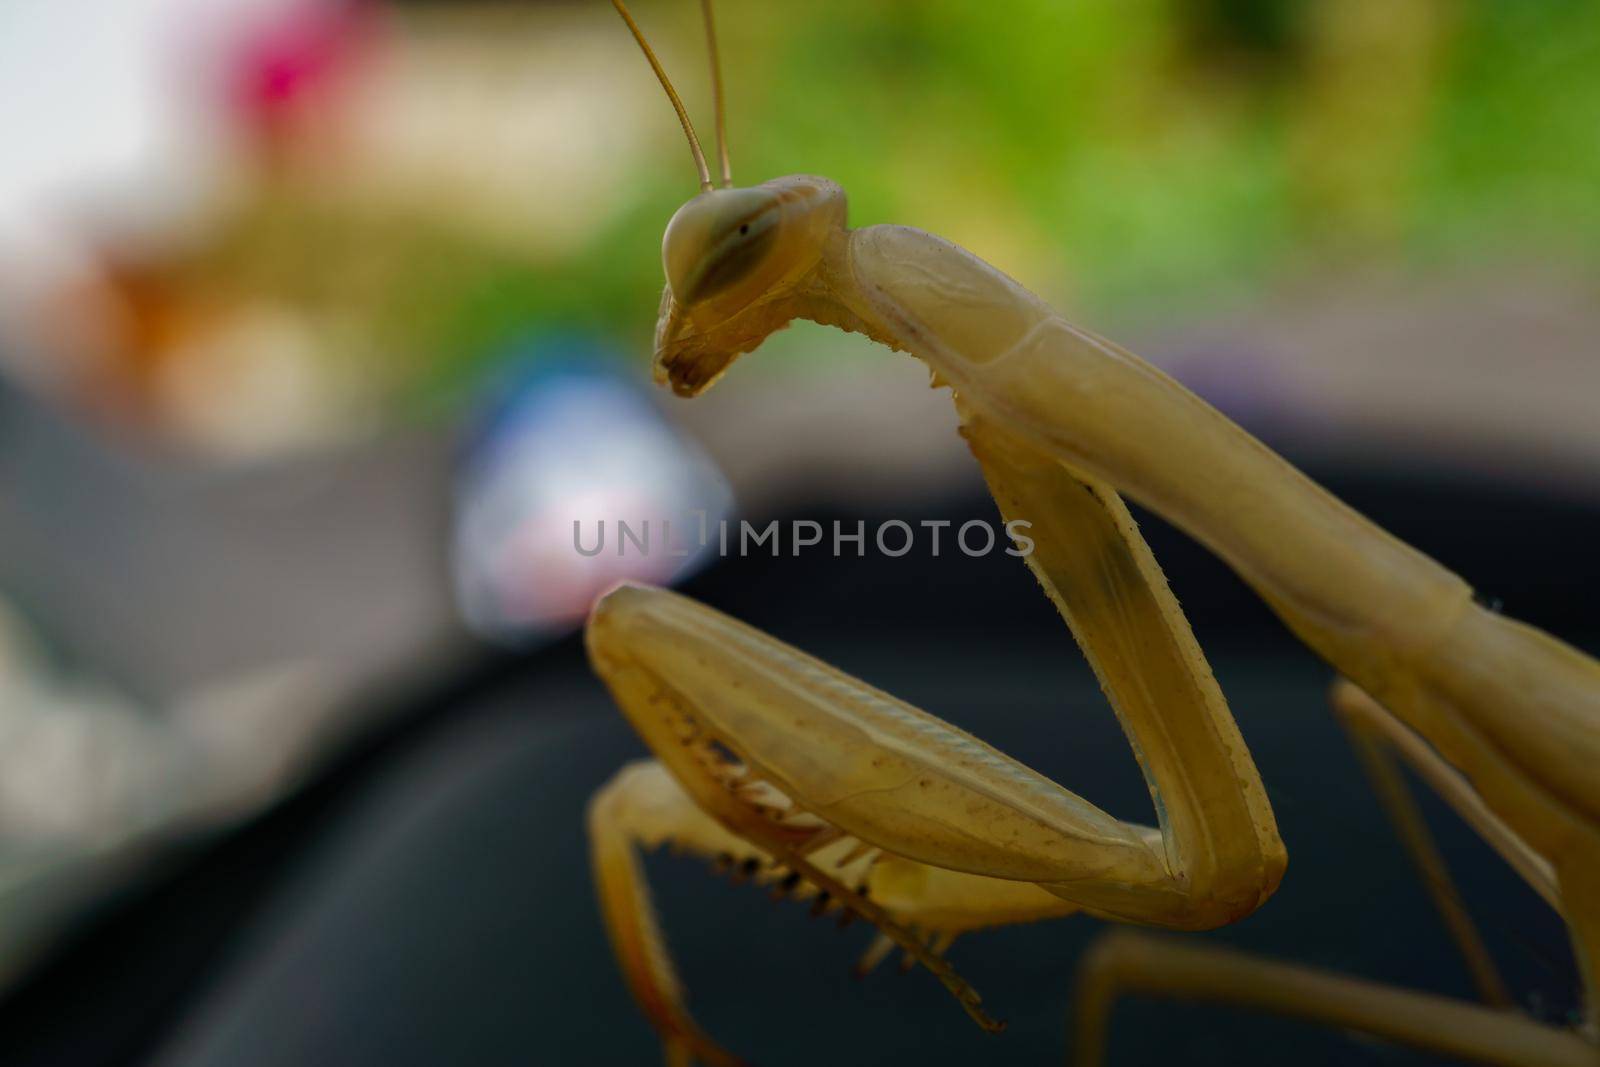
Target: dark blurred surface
{"x":427,"y":900}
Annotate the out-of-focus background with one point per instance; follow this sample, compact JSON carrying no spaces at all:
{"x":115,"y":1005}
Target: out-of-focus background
{"x":323,"y":321}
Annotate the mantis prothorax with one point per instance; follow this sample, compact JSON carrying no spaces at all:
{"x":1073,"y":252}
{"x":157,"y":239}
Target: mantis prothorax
{"x":818,"y":784}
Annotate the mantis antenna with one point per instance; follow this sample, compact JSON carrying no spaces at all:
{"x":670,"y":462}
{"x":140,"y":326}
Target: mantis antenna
{"x":677,"y":104}
{"x":716,"y":96}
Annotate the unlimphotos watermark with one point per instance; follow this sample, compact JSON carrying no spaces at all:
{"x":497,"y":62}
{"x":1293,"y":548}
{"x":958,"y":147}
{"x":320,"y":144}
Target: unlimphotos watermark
{"x":893,"y":537}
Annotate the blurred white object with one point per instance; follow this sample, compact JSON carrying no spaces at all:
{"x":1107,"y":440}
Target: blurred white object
{"x":80,"y":766}
{"x":570,"y":448}
{"x":90,"y":780}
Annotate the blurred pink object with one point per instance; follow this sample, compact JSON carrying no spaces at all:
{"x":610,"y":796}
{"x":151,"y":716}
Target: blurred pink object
{"x":297,"y":65}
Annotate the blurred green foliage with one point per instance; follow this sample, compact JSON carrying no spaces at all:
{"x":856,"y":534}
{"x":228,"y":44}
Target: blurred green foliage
{"x":1119,"y":156}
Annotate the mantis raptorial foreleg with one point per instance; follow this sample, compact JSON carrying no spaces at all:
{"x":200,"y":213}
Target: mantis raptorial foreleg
{"x":830,"y":767}
{"x":1220,"y":840}
{"x":794,"y":759}
{"x":1510,"y":709}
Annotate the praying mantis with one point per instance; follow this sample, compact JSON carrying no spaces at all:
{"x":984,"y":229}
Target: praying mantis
{"x":816,"y":784}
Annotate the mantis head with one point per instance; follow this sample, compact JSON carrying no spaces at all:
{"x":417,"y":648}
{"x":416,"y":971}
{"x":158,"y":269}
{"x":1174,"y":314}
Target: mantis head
{"x":738,"y":260}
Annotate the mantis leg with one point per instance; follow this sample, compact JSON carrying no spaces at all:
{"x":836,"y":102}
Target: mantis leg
{"x":969,"y":836}
{"x":1510,"y":707}
{"x":643,"y":807}
{"x":1364,"y":716}
{"x":1127,"y":962}
{"x":1130,"y":964}
{"x":1219,"y":840}
{"x":1372,"y":730}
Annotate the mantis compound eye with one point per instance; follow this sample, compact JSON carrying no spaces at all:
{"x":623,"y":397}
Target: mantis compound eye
{"x":719,"y":240}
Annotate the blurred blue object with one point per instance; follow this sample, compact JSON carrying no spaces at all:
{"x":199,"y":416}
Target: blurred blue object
{"x":571,"y":481}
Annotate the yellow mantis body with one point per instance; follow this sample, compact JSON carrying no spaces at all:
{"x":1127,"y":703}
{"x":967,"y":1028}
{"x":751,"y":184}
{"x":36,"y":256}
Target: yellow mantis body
{"x":834,"y":791}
